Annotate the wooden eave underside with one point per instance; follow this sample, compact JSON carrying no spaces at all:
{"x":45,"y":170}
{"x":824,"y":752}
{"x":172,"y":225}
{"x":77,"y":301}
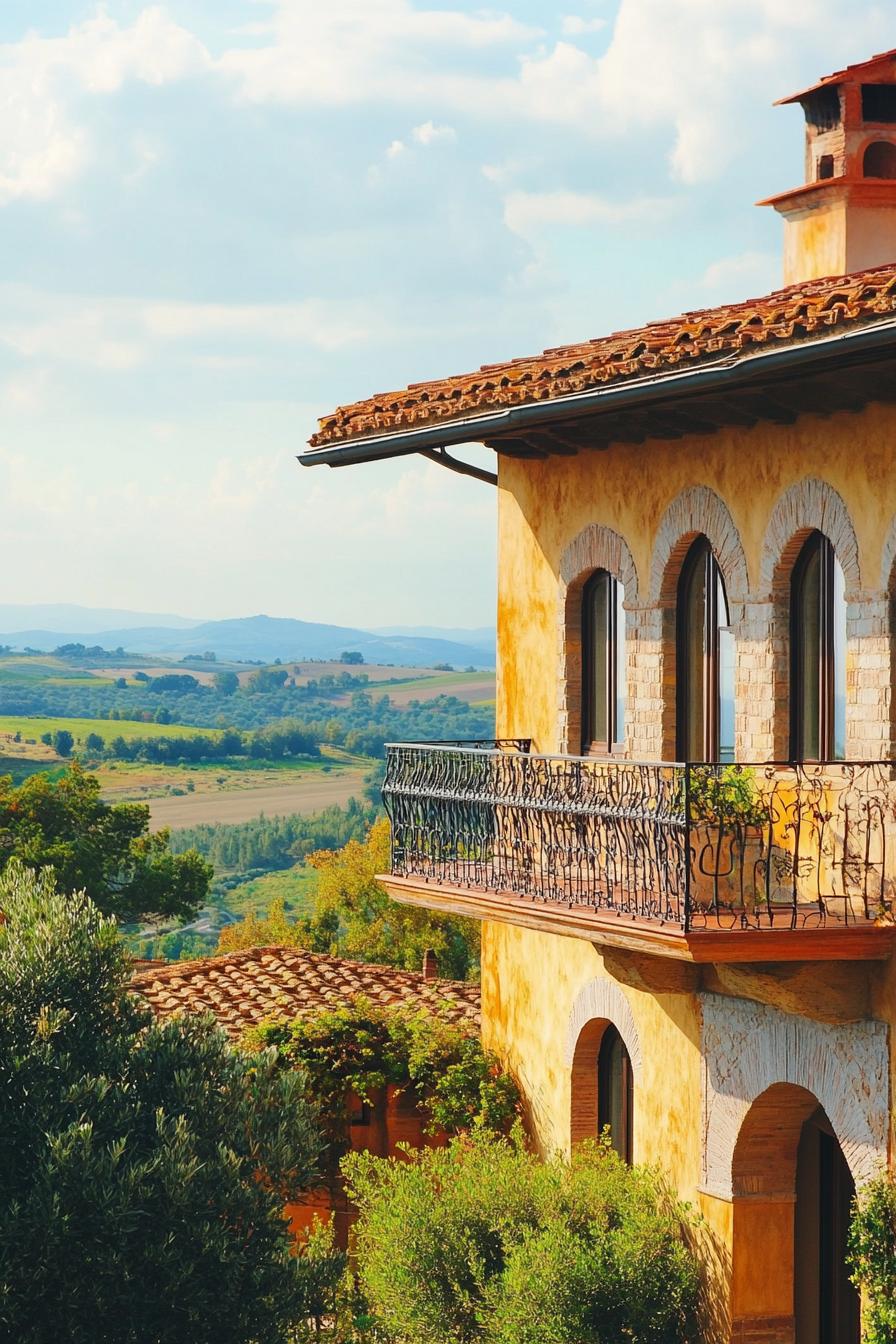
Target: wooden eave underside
{"x":781,"y":402}
{"x":718,"y":944}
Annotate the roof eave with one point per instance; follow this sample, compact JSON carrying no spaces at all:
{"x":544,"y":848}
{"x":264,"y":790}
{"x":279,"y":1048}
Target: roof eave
{"x":730,"y":372}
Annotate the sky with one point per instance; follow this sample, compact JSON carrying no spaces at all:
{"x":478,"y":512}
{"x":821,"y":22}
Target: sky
{"x":219,"y":219}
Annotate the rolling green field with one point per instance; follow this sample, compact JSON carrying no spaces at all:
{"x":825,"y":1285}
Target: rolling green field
{"x":34,"y":728}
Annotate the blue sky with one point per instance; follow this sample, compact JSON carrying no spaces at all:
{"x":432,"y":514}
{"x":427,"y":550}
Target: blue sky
{"x":221,"y":218}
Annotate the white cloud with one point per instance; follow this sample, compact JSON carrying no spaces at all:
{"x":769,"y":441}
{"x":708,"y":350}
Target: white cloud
{"x":749,"y":273}
{"x":42,"y":147}
{"x":528,"y":212}
{"x":114,"y":335}
{"x":574,"y":25}
{"x":396,"y":149}
{"x":360,"y":49}
{"x":430,"y":134}
{"x":315,"y":322}
{"x":698,"y":67}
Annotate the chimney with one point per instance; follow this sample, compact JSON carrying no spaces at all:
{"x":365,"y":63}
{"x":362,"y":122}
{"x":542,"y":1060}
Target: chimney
{"x":430,"y":965}
{"x":843,"y":218}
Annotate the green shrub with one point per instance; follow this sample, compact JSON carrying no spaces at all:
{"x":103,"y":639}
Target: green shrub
{"x":483,"y":1243}
{"x":872,"y":1256}
{"x":361,"y":1047}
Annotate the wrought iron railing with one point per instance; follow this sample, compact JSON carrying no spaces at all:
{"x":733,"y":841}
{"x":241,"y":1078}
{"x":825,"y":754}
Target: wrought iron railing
{"x":752,"y":846}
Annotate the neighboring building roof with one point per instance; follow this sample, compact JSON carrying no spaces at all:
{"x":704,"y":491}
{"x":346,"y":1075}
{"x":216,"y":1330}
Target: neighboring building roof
{"x":851,"y":72}
{"x":256,"y":984}
{"x":795,"y":316}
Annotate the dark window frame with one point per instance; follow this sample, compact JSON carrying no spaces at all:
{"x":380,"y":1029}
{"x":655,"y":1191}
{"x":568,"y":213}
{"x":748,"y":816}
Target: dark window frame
{"x":613,"y":742}
{"x":879,"y":104}
{"x":815,"y":544}
{"x":613,"y":1050}
{"x":700,"y":559}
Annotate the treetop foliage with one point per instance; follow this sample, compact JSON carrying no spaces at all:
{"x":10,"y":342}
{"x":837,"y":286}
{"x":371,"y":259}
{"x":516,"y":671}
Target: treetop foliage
{"x":355,"y":917}
{"x":101,"y":848}
{"x":143,"y":1167}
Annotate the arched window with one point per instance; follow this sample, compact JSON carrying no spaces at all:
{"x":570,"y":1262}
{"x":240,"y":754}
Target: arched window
{"x":818,"y":654}
{"x":705,"y":660}
{"x":615,"y":1092}
{"x":603,"y":663}
{"x":880,"y":160}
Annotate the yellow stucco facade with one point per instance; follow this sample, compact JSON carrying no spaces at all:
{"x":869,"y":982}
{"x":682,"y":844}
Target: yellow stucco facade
{"x":535,"y":982}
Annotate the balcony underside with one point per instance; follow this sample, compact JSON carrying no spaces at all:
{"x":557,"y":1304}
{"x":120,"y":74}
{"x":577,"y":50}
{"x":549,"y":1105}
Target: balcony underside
{"x":720,"y":938}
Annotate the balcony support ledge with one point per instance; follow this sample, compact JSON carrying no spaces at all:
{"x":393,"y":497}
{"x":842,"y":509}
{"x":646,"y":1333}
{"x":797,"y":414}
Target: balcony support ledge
{"x":725,"y":942}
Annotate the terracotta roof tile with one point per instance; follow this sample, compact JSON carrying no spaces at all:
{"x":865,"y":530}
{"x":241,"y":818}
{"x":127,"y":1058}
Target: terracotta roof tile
{"x":245,"y":988}
{"x":786,"y":317}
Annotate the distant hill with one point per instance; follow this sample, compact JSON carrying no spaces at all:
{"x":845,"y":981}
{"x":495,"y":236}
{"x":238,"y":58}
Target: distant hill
{"x":67,"y":619}
{"x":482,"y":637}
{"x":263,"y":637}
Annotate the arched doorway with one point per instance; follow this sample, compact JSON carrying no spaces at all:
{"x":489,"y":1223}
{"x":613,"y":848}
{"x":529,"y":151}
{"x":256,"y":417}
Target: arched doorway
{"x":792,"y":1191}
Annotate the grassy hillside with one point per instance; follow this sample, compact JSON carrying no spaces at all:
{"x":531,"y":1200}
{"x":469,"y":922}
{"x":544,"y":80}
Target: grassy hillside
{"x":33,"y":728}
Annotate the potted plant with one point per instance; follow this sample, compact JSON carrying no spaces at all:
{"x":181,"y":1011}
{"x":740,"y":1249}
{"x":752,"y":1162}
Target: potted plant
{"x":728,"y":823}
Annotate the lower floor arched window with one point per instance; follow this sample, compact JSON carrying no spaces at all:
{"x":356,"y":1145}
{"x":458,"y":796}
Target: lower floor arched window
{"x":615,"y":1093}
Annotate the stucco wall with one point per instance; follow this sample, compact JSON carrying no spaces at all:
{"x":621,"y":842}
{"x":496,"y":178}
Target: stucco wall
{"x":641,"y":492}
{"x":764,"y":489}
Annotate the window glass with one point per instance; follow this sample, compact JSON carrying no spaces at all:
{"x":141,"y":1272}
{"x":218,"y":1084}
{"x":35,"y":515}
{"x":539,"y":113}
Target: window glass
{"x":808,"y":635}
{"x":705,"y":664}
{"x":615,"y":1093}
{"x":694,"y":670}
{"x":726,"y":672}
{"x":818,"y":654}
{"x":839,"y":636}
{"x":603,"y":663}
{"x":621,"y":668}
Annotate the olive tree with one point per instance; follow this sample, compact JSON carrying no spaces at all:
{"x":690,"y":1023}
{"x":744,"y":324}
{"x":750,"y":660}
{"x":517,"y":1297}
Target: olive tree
{"x":143,"y":1166}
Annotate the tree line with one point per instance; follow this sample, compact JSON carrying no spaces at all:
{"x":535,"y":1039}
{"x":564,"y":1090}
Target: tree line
{"x":267,"y":744}
{"x":267,"y":843}
{"x":363,"y":726}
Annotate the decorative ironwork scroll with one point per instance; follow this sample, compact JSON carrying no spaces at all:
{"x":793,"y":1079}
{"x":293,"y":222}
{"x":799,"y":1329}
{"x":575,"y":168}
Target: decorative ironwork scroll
{"x":813,"y":844}
{"x":746,"y":846}
{"x":555,"y":829}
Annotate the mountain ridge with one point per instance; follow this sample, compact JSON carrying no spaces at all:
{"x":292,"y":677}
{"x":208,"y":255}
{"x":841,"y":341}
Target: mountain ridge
{"x":263,"y":637}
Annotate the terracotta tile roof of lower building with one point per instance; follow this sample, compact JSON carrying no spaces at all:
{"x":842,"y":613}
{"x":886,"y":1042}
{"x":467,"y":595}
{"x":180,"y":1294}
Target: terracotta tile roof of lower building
{"x":790,"y":316}
{"x":247,"y":987}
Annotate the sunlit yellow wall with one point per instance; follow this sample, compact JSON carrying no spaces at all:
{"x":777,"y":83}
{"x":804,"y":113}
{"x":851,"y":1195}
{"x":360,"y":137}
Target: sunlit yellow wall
{"x":543,"y":505}
{"x":530,"y":980}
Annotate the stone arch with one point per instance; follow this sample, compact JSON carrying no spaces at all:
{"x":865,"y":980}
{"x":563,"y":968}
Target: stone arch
{"x":599,"y":547}
{"x":780,"y":1208}
{"x":595,"y":547}
{"x":698,"y":509}
{"x":808,"y":506}
{"x":750,"y":1048}
{"x":598,"y":1005}
{"x":602,"y":1000}
{"x":879,"y":160}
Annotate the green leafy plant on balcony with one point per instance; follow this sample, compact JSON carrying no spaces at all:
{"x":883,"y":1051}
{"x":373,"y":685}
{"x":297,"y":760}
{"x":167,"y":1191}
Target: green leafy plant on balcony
{"x":727,"y":796}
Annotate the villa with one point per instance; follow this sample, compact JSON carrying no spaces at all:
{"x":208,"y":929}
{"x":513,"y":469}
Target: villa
{"x":682,"y":843}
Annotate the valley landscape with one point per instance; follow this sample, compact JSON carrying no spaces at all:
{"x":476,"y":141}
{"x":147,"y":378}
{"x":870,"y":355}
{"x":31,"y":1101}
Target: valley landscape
{"x":253,"y":760}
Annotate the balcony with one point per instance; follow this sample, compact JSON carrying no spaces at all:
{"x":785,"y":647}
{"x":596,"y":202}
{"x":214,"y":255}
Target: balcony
{"x":705,"y":863}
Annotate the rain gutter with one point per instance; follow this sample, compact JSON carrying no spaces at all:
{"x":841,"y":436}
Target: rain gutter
{"x":727,"y":375}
